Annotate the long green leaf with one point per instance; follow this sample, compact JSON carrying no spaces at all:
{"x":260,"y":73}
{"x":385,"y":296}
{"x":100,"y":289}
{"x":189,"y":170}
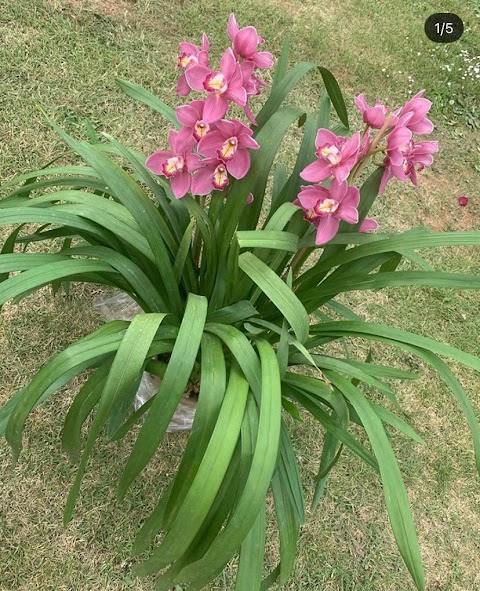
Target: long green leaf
{"x":262,"y":467}
{"x":278,"y":292}
{"x":139,"y":93}
{"x":124,"y":372}
{"x":170,"y":392}
{"x":208,"y":479}
{"x":396,"y":497}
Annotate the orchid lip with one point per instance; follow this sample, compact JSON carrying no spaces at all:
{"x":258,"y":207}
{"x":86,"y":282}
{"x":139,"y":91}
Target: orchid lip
{"x":228,"y":149}
{"x":173,"y":165}
{"x":215,"y":82}
{"x":185,"y":60}
{"x":200,"y":129}
{"x":331,"y":153}
{"x":326,"y":207}
{"x":220,"y":177}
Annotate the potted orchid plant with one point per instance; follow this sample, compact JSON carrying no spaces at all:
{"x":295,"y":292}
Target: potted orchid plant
{"x":238,"y":279}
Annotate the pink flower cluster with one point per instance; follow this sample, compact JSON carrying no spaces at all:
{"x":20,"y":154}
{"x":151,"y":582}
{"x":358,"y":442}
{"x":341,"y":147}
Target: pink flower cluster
{"x":209,"y":147}
{"x":343,"y":158}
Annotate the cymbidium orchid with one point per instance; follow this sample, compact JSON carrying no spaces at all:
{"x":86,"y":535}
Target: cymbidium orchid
{"x":245,"y":44}
{"x":413,"y":114}
{"x":191,"y":55}
{"x":230,"y":142}
{"x":213,"y":175}
{"x":191,"y":118}
{"x":405,"y":157}
{"x":229,"y":298}
{"x":374,"y":116}
{"x":176,"y":165}
{"x":223,"y":86}
{"x":326,"y":208}
{"x":336,"y":156}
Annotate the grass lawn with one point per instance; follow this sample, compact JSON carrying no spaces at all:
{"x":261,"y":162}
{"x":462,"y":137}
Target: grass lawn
{"x":65,"y":55}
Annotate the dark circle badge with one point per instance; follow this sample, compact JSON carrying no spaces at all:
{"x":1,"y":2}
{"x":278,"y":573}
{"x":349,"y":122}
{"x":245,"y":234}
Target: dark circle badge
{"x":444,"y":27}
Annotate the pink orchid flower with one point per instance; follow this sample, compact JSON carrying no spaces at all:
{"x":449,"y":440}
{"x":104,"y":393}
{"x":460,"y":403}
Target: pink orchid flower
{"x":252,"y":84}
{"x":230,"y":143}
{"x":191,"y":55}
{"x":245,"y":44}
{"x":413,"y":114}
{"x":326,"y":208}
{"x":191,"y":118}
{"x":223,"y":86}
{"x":336,"y":156}
{"x":212,"y":176}
{"x":176,"y":165}
{"x":368,"y":225}
{"x":374,"y":116}
{"x":405,"y":157}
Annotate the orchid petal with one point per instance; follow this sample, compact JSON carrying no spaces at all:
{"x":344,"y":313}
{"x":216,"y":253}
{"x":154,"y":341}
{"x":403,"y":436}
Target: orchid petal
{"x":400,"y":136}
{"x":327,"y":227}
{"x":182,"y":86}
{"x":226,"y":128}
{"x":155,"y":161}
{"x":188,"y":48}
{"x":249,"y":114}
{"x":361,"y":103}
{"x":205,"y":43}
{"x":342,"y":171}
{"x":309,"y":196}
{"x":183,"y":140}
{"x":368,"y":225}
{"x":187,"y":115}
{"x":352,"y":197}
{"x":316,"y":171}
{"x":247,"y":142}
{"x":232,"y":27}
{"x":262,"y":59}
{"x":237,"y":94}
{"x":210,"y":143}
{"x":228,"y":64}
{"x":202,"y":182}
{"x":347,"y":213}
{"x":422,"y":127}
{"x":194,"y":162}
{"x":215,"y":108}
{"x":180,"y":184}
{"x":324,"y":136}
{"x":239,"y":165}
{"x":196,"y":76}
{"x":246,"y":41}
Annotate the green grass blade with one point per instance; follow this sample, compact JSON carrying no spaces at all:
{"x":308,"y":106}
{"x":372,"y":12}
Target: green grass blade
{"x":37,"y":277}
{"x":242,"y":310}
{"x":291,"y":79}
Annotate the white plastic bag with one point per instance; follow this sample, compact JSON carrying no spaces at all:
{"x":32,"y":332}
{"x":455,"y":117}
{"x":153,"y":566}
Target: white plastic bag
{"x":122,"y":307}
